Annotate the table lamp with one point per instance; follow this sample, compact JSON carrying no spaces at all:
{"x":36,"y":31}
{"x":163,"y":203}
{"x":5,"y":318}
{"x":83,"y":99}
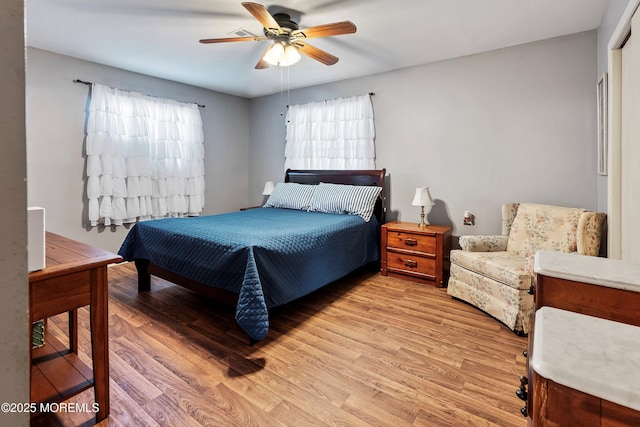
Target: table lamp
{"x":422,"y":198}
{"x":268,"y":188}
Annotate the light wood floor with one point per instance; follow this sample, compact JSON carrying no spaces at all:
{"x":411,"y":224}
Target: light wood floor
{"x":366,"y":350}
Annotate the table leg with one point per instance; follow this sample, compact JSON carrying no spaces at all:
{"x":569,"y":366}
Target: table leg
{"x":100,"y":339}
{"x":73,"y":330}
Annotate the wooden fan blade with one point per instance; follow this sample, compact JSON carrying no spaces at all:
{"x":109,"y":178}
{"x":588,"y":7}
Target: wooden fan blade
{"x":234,"y":39}
{"x":263,"y":16}
{"x":262,"y":64}
{"x":335,"y":29}
{"x":317,"y":54}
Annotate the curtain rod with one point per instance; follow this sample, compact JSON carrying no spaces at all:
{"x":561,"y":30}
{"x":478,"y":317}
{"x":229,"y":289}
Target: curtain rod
{"x":89,"y":83}
{"x":370,"y":94}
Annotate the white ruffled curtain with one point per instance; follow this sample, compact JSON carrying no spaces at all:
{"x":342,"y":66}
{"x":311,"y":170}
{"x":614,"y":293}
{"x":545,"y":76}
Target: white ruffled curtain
{"x":145,"y":157}
{"x":336,"y":134}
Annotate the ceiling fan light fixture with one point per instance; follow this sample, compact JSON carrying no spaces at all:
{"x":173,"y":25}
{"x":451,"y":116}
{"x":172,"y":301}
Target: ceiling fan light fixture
{"x":291,"y":54}
{"x":282,"y":54}
{"x":289,"y":41}
{"x":274,"y":54}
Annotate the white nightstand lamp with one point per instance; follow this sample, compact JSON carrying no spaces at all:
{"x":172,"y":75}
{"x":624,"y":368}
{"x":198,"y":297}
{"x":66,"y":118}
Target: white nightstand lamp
{"x":422,"y":198}
{"x":266,"y":192}
{"x":268,"y":188}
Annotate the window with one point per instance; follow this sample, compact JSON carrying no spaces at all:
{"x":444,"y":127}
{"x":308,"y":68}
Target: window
{"x":145,"y":157}
{"x":336,"y":134}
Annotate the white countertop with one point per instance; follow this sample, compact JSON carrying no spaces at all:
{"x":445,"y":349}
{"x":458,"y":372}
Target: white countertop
{"x":607,"y":272}
{"x":596,"y":356}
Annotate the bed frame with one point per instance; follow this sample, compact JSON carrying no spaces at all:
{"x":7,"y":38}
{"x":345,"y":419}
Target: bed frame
{"x":353,"y":177}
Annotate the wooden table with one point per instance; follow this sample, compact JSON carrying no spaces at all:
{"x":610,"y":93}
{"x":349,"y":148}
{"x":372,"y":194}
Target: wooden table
{"x":75,"y":276}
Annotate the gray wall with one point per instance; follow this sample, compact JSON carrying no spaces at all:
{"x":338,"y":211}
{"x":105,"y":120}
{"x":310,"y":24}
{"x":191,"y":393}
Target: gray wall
{"x":511,"y":125}
{"x":55,"y":151}
{"x":14,"y":288}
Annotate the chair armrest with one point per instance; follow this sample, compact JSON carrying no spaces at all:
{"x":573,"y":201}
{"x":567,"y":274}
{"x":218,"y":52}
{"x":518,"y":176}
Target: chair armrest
{"x":483,"y":243}
{"x":529,"y":265}
{"x":589,"y":233}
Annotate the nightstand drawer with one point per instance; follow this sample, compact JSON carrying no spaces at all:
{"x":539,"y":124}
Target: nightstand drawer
{"x":411,"y":242}
{"x":411,"y":263}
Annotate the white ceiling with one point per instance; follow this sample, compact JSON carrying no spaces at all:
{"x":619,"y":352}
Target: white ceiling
{"x":160,"y":37}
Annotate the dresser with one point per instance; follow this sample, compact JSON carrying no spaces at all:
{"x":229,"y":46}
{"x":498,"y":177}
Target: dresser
{"x":583,"y":365}
{"x":412,"y":253}
{"x":586,"y":370}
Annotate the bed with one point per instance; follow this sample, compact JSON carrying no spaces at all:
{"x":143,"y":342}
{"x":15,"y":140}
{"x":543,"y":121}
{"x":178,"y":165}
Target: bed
{"x":316,"y":227}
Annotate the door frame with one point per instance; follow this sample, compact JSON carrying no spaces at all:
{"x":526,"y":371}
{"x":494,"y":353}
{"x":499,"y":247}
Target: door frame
{"x":614,"y":162}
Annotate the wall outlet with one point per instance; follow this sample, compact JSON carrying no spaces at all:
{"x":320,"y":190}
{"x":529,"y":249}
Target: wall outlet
{"x":468,"y":219}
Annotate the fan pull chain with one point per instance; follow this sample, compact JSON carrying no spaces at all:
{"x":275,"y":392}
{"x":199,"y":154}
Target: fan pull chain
{"x":288,"y":85}
{"x":281,"y":90}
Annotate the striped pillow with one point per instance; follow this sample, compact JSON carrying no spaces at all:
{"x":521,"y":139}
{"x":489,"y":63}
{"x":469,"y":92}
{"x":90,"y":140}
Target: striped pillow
{"x":289,"y":195}
{"x":346,"y":199}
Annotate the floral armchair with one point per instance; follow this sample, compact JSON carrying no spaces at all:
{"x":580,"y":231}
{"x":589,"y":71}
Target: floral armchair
{"x":494,"y":273}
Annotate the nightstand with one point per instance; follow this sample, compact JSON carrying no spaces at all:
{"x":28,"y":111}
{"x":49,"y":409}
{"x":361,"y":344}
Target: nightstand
{"x":411,"y":253}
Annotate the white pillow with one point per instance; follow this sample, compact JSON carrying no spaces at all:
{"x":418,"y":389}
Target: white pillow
{"x":290,"y":195}
{"x":346,"y":199}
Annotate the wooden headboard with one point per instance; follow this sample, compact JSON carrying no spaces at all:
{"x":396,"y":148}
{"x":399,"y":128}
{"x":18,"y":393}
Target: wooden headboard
{"x":351,"y":177}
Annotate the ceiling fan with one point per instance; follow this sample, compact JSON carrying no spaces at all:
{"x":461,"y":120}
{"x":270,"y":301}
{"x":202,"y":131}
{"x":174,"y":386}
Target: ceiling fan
{"x":288,"y":39}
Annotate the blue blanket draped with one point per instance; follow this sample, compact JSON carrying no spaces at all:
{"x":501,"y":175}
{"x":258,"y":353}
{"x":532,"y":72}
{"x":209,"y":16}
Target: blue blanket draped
{"x":267,"y":256}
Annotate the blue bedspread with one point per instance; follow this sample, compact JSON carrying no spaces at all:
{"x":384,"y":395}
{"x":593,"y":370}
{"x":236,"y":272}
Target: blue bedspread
{"x":267,"y":256}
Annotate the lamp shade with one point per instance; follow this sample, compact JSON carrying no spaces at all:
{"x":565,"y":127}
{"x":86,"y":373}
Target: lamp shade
{"x":282,"y":54}
{"x":291,"y":55}
{"x":268,"y":188}
{"x":274,"y":54}
{"x":422,"y":197}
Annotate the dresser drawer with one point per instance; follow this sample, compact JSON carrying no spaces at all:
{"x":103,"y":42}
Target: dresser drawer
{"x":411,"y":263}
{"x":411,"y":242}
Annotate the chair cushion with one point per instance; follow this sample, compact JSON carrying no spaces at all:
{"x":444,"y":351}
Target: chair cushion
{"x":537,"y":227}
{"x":504,"y":267}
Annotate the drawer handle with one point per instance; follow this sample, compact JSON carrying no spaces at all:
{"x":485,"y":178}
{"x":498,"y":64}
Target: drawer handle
{"x":410,"y":242}
{"x":522,"y":393}
{"x":410,"y":263}
{"x":523,"y":381}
